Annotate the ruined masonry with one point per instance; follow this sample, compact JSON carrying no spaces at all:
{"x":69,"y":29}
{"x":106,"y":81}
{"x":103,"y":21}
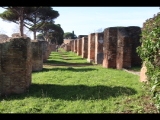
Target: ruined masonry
{"x":119,"y":47}
{"x":91,"y":47}
{"x":37,"y":56}
{"x":79,"y":46}
{"x":75,"y":46}
{"x":84,"y":47}
{"x":99,"y":48}
{"x":15,"y":65}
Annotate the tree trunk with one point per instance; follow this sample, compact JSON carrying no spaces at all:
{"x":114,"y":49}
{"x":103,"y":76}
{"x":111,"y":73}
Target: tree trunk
{"x":34,"y":31}
{"x":34,"y":35}
{"x":21,"y":24}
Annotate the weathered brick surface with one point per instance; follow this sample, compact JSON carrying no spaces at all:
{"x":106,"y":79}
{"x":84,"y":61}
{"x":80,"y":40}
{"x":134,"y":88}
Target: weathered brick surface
{"x":15,"y":65}
{"x":75,"y":45}
{"x":91,"y":47}
{"x":120,"y":45}
{"x":53,"y":47}
{"x":134,"y":33}
{"x":79,"y":46}
{"x":37,"y":56}
{"x":72,"y":45}
{"x":99,"y":48}
{"x":110,"y":47}
{"x":124,"y":49}
{"x":44,"y":50}
{"x":84,"y":47}
{"x":67,"y":47}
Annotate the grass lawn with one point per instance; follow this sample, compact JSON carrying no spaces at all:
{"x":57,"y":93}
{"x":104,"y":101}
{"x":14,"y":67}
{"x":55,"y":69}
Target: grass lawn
{"x":67,"y":88}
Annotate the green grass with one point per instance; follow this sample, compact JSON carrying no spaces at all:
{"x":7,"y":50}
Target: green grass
{"x":80,"y":89}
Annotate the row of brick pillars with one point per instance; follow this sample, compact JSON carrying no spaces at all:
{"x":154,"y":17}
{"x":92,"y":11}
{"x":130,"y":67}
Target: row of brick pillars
{"x":113,"y":48}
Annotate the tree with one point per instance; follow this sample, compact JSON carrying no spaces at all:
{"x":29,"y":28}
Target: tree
{"x":18,"y":15}
{"x":30,"y":17}
{"x":52,"y":32}
{"x":40,"y":37}
{"x":37,"y":19}
{"x":69,"y":35}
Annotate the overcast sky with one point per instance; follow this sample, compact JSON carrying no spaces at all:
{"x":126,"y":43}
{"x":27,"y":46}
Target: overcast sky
{"x":86,"y":20}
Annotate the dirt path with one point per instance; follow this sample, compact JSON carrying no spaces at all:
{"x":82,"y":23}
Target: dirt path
{"x":133,"y":72}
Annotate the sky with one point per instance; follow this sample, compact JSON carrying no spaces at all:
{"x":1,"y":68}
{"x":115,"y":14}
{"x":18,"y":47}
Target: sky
{"x":86,"y":20}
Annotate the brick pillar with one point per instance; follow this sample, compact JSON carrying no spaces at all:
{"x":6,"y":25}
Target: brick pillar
{"x":91,"y":47}
{"x":37,"y":56}
{"x":44,"y":50}
{"x":109,"y":47}
{"x":79,"y":46}
{"x":124,"y":49}
{"x":75,"y":45}
{"x":15,"y":65}
{"x":134,"y":33}
{"x":99,"y":48}
{"x":84,"y":47}
{"x":72,"y":45}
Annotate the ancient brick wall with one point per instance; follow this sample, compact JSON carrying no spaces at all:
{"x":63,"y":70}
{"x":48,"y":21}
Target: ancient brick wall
{"x":91,"y":47}
{"x":99,"y":48}
{"x":84,"y":47}
{"x":53,"y":47}
{"x":124,"y":48}
{"x":72,"y":45}
{"x":120,"y":45}
{"x":67,"y":47}
{"x":75,"y":45}
{"x":79,"y":46}
{"x":110,"y":47}
{"x":134,"y":33}
{"x":44,"y":50}
{"x":37,"y":56}
{"x":15,"y":65}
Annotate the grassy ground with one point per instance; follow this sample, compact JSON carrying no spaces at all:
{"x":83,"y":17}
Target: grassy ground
{"x":70,"y":88}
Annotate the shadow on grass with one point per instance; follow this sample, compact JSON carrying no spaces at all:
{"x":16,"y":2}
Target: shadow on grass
{"x":73,"y":58}
{"x":73,"y":92}
{"x":56,"y":62}
{"x":65,"y":69}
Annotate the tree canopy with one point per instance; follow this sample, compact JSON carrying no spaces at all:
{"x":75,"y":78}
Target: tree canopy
{"x":17,"y":15}
{"x":69,"y":35}
{"x":30,"y":17}
{"x":52,"y":32}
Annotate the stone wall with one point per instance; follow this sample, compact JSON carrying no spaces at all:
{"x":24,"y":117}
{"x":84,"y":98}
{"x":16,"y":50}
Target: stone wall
{"x":79,"y":46}
{"x":15,"y":65}
{"x":52,"y":47}
{"x":124,"y":49}
{"x":75,"y":45}
{"x":134,"y":34}
{"x":37,"y":56}
{"x":119,"y":47}
{"x":110,"y":47}
{"x":67,"y":47}
{"x":84,"y":47}
{"x":72,"y":45}
{"x":91,"y":47}
{"x":44,"y":50}
{"x":99,"y":48}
